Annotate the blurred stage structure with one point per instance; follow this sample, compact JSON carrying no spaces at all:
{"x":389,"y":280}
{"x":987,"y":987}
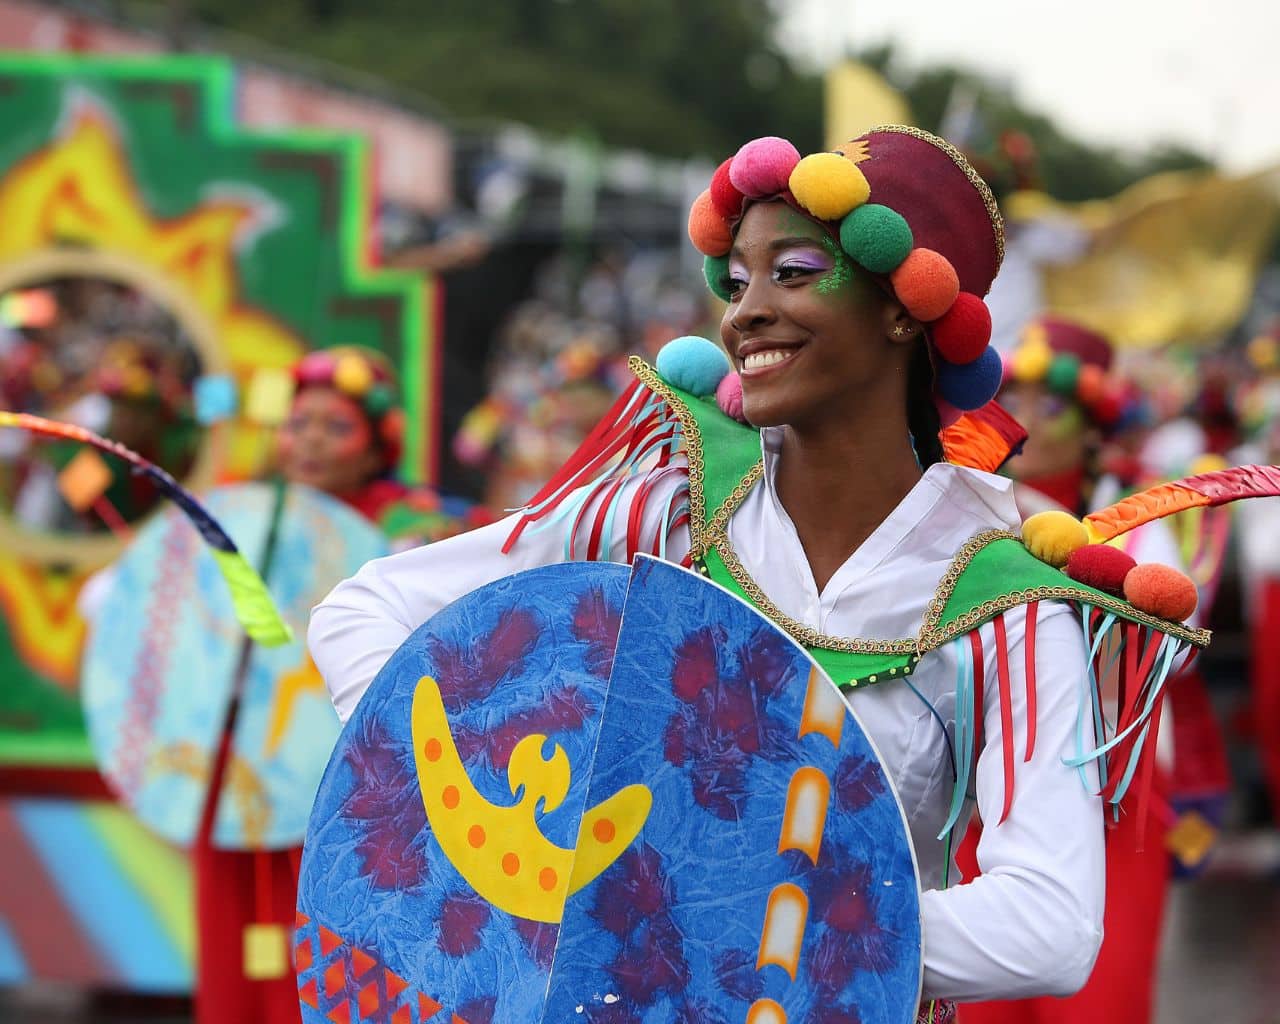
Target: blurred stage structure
{"x":144,"y":232}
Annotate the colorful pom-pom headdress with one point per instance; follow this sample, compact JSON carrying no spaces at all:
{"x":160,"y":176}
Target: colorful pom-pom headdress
{"x":906,"y":207}
{"x":365,"y":377}
{"x":1073,"y":362}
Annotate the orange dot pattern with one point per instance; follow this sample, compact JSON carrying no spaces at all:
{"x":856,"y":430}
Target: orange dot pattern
{"x":450,"y":797}
{"x":547,"y":878}
{"x":604,"y":830}
{"x":432,"y":750}
{"x":476,"y":836}
{"x":511,"y":864}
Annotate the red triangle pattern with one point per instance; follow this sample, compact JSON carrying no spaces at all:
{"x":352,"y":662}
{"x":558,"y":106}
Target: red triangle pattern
{"x":335,"y":978}
{"x":458,"y":1020}
{"x":395,"y":985}
{"x":404,"y":1015}
{"x":309,"y":994}
{"x":341,"y":1014}
{"x":328,"y":941}
{"x":302,"y":957}
{"x":427,"y":1006}
{"x":368,"y":1001}
{"x":300,"y":920}
{"x":362,"y":962}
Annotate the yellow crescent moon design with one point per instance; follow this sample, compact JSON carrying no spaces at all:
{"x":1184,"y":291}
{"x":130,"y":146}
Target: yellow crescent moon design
{"x":501,"y":851}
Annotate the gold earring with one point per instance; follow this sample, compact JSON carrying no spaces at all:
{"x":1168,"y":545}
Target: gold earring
{"x":899,"y":331}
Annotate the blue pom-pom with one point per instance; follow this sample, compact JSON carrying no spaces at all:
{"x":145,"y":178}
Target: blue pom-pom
{"x":973,"y":385}
{"x":693,"y":364}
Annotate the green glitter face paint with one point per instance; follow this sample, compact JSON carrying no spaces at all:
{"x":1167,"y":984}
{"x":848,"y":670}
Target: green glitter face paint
{"x":841,"y":272}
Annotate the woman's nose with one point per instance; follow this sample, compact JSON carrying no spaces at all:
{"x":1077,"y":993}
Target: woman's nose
{"x":755,"y":307}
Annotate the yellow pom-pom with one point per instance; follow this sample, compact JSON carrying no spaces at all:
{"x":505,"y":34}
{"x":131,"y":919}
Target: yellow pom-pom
{"x":352,"y":375}
{"x":1208,"y":463}
{"x":828,"y":185}
{"x":1053,"y":536}
{"x":1030,"y":361}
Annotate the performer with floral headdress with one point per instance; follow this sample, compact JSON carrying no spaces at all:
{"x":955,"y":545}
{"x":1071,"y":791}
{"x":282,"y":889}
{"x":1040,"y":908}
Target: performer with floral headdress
{"x":1061,"y":385}
{"x":836,"y":471}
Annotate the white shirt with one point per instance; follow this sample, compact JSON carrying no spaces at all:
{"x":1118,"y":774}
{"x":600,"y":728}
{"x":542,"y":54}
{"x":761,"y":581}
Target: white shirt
{"x":1032,"y":923}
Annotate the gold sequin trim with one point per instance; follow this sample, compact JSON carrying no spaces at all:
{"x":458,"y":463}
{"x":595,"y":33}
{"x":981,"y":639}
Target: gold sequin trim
{"x":692,"y":445}
{"x":975,"y":179}
{"x":806,"y":635}
{"x":932,"y":635}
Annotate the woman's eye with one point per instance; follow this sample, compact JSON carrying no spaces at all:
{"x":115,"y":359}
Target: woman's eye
{"x":789,"y":271}
{"x":733,"y":285}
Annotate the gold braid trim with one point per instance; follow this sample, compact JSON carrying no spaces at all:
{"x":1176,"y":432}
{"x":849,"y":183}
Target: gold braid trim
{"x":701,"y":530}
{"x":975,"y":179}
{"x":932,"y":634}
{"x":692,"y":443}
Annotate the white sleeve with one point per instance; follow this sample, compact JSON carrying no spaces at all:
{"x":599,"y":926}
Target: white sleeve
{"x":364,"y":619}
{"x":1031,"y":924}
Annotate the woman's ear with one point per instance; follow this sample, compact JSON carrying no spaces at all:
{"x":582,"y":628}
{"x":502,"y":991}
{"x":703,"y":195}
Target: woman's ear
{"x":899,"y":327}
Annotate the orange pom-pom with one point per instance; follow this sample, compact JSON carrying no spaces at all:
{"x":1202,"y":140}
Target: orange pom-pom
{"x":708,"y":230}
{"x":1100,"y":566}
{"x":1162,"y":591}
{"x":1091,"y":383}
{"x":926,"y":283}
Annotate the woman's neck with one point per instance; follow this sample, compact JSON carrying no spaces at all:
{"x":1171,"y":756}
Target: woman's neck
{"x":838,"y":483}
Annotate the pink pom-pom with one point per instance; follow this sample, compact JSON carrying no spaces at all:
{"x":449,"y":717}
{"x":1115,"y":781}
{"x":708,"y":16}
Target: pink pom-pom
{"x":724,"y":197}
{"x":763,"y":167}
{"x":729,"y":397}
{"x":948,"y":414}
{"x":1100,"y":566}
{"x":1162,"y":591}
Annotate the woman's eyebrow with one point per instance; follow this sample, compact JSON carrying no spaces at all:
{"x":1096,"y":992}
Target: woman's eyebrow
{"x":778,"y":244}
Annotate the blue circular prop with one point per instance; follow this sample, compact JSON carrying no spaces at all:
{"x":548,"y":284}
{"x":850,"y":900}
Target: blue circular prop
{"x":162,"y":657}
{"x":736,"y":843}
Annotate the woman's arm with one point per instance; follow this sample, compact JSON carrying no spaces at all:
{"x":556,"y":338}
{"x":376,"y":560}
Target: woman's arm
{"x":366,"y":618}
{"x":1031,"y":924}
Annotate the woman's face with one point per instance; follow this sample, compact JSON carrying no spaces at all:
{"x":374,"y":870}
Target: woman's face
{"x":1059,"y":435}
{"x":807,"y":329}
{"x":327,"y":443}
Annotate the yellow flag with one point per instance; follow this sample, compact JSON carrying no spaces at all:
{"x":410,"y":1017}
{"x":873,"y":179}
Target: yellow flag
{"x":858,"y":98}
{"x":1174,"y":259}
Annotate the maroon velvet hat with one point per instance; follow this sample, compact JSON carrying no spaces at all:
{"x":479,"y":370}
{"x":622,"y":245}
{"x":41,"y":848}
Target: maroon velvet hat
{"x":906,"y":207}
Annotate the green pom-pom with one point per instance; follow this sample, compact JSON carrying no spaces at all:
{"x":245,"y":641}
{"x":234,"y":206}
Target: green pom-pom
{"x":876,"y":237}
{"x":379,"y":400}
{"x":1064,"y":373}
{"x":716,"y":270}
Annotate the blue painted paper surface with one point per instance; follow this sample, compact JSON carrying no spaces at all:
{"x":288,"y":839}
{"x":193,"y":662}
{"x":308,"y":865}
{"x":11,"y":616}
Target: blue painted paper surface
{"x":161,"y":662}
{"x":701,"y":702}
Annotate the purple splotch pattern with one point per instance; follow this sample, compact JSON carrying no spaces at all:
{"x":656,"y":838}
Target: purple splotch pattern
{"x":703,"y":707}
{"x":528,"y":654}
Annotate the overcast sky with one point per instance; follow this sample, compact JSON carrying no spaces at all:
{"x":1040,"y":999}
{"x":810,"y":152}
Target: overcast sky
{"x":1205,"y":73}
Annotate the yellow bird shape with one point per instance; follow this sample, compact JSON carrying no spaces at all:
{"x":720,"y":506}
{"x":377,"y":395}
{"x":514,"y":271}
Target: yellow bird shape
{"x":501,"y":851}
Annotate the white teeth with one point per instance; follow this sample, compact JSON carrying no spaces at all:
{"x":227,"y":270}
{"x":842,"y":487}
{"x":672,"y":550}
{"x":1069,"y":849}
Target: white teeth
{"x":757,"y":360}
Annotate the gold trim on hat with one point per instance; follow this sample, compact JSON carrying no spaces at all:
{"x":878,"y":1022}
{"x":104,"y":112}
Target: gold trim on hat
{"x":975,"y":179}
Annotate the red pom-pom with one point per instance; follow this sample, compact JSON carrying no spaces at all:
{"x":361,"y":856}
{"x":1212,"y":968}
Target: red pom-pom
{"x":708,"y":231}
{"x":962,"y":333}
{"x":926,"y":283}
{"x":724,"y":197}
{"x":1100,"y":566}
{"x":1162,"y":591}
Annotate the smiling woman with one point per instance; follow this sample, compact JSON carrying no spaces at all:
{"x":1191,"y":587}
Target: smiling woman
{"x":835,"y":470}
